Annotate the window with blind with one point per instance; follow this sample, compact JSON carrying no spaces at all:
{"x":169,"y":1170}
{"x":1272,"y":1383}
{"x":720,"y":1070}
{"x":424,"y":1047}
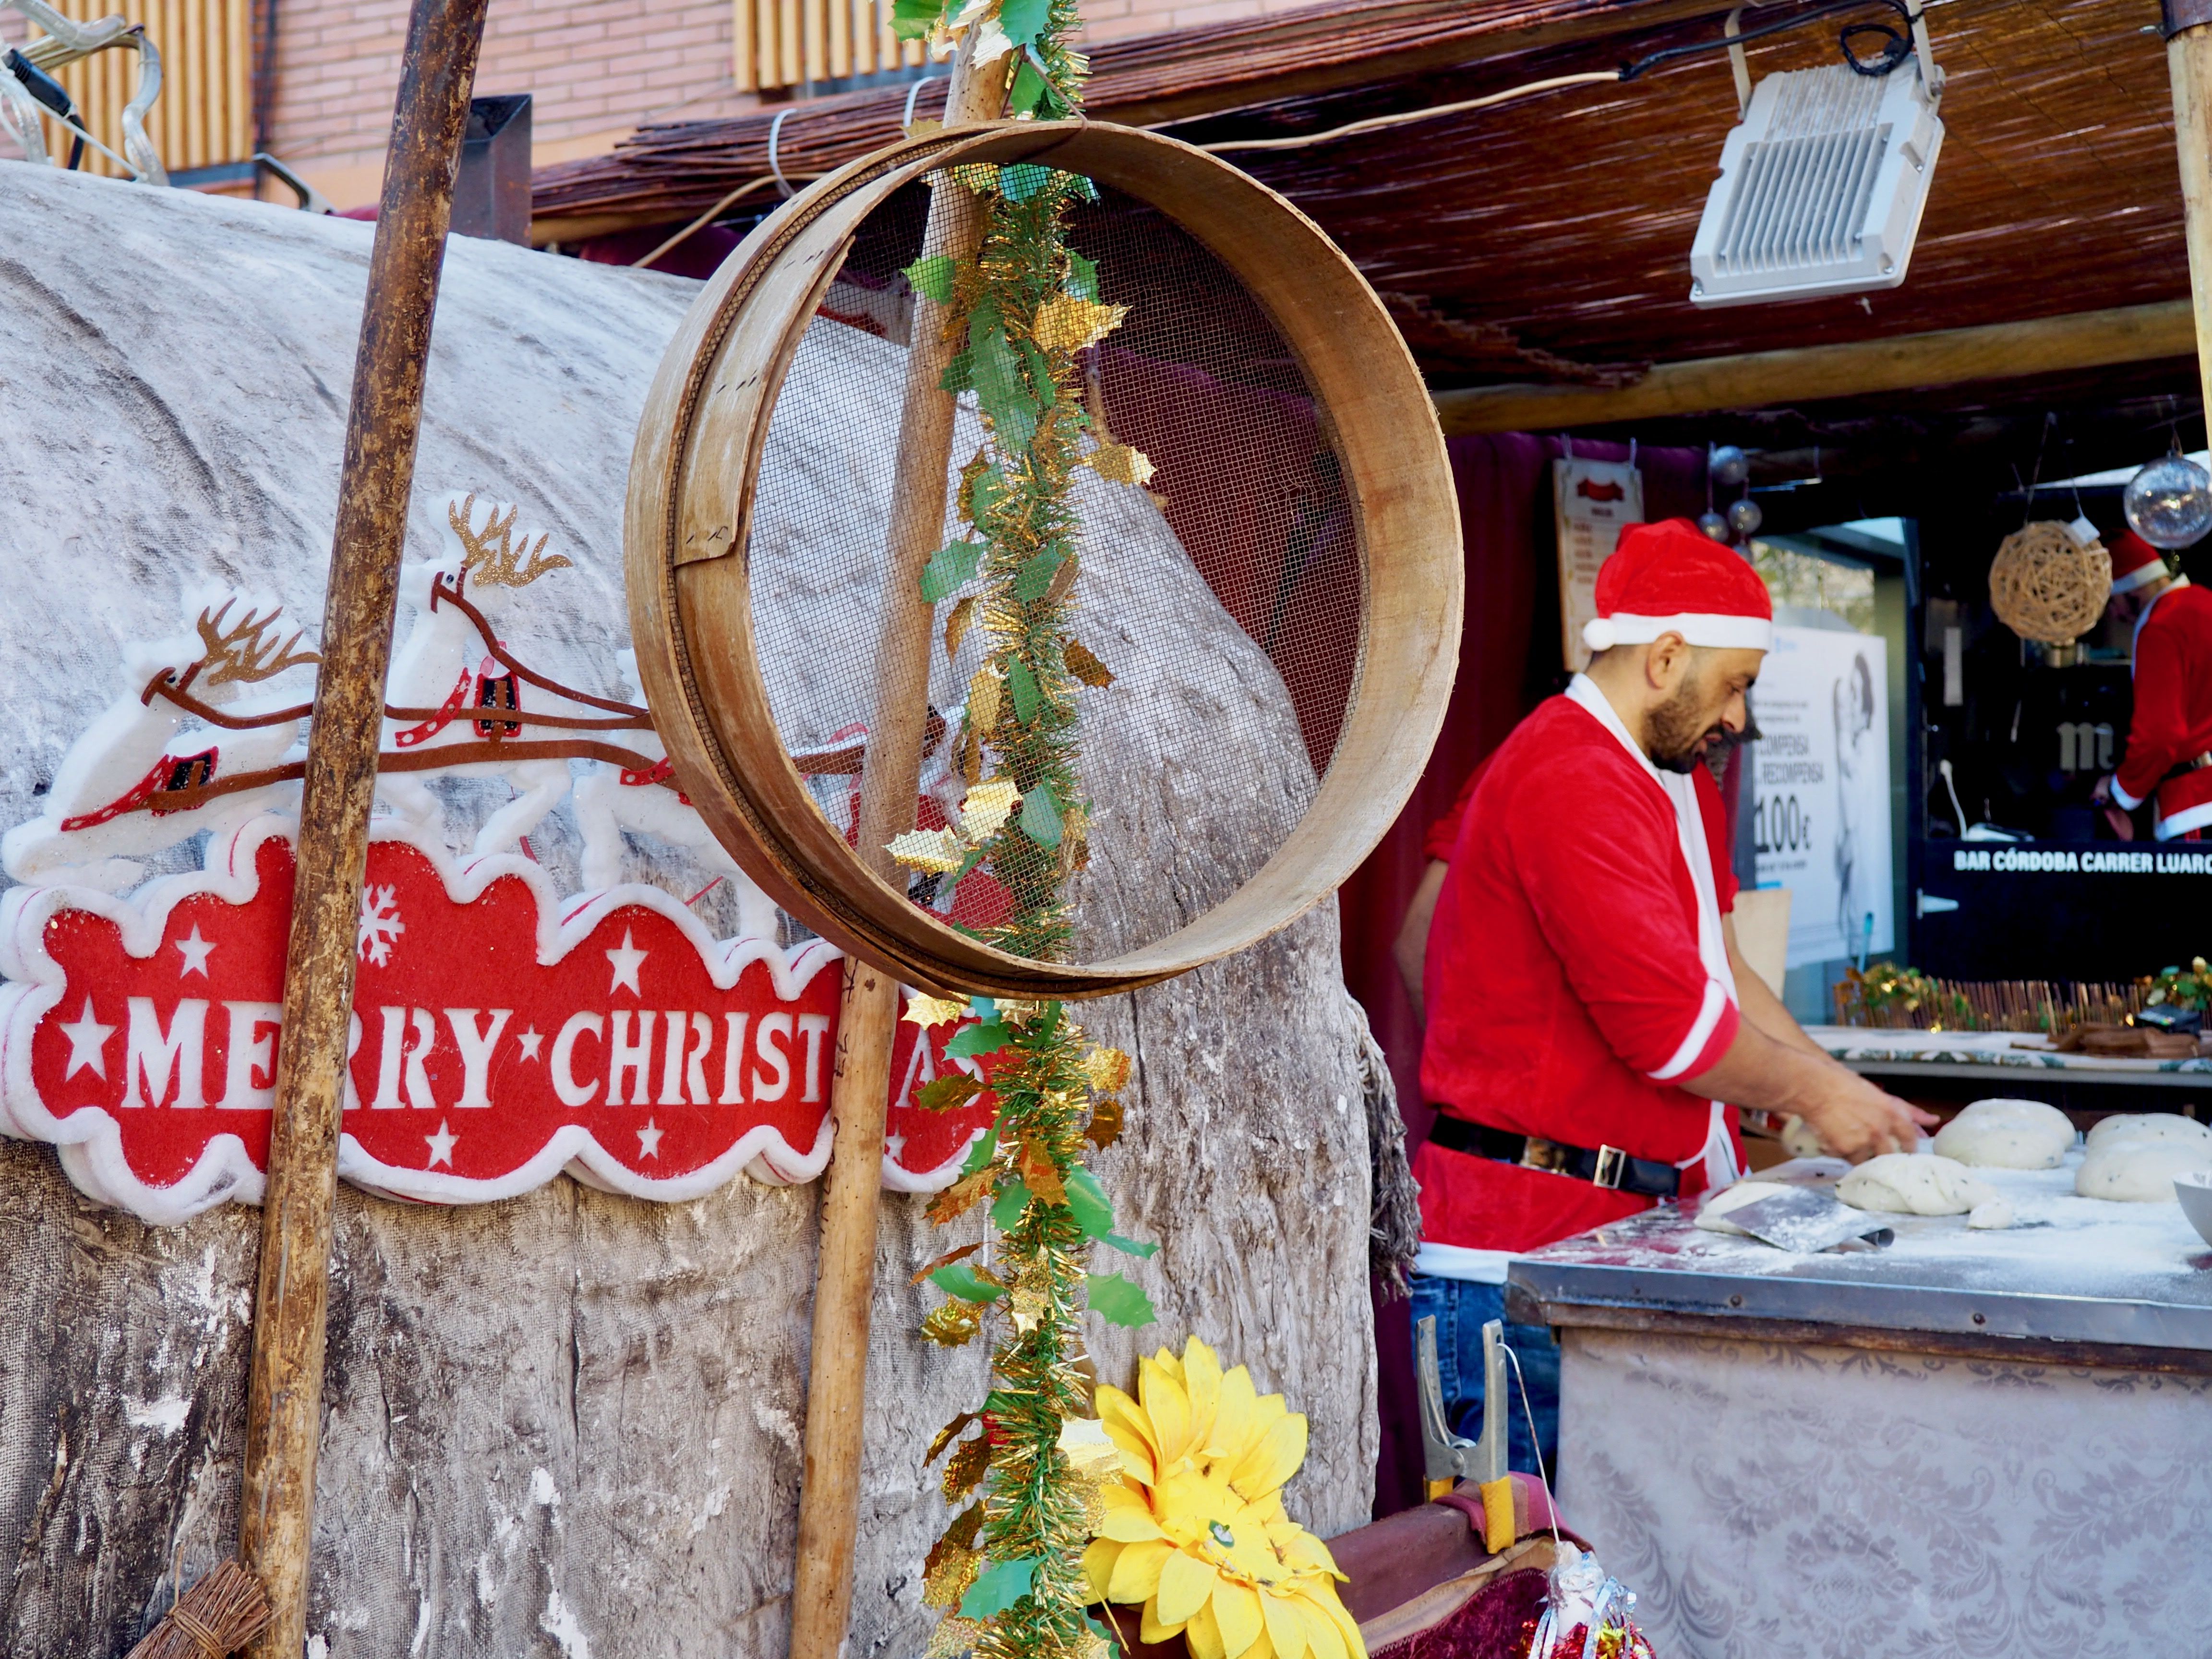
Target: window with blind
{"x":204,"y":116}
{"x":788,"y":43}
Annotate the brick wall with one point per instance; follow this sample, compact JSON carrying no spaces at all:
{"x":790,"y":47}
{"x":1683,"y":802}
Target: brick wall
{"x":596,"y":69}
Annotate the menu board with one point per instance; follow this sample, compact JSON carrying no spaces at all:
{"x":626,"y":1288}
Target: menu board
{"x":1593,"y":502}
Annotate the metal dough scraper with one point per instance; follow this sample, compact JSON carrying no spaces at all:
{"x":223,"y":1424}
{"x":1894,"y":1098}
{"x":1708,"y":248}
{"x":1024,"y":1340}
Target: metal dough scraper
{"x":1805,"y":1222}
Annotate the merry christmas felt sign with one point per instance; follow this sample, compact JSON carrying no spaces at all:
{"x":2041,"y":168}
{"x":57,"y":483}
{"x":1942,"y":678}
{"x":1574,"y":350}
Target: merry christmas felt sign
{"x":496,"y":1040}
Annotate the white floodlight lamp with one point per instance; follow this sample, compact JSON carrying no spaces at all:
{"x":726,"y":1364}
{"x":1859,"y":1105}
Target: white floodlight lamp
{"x":1823,"y":182}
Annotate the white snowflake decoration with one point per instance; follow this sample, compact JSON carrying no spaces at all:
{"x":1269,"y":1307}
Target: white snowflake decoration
{"x":379,"y":924}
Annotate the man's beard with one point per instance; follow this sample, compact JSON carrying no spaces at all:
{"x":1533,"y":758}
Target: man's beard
{"x":1679,"y":732}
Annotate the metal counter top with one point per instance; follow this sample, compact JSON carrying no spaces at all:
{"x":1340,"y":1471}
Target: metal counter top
{"x":2075,"y":1270}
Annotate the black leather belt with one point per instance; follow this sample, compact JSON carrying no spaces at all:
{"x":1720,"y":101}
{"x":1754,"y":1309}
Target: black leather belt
{"x":1605,"y":1166}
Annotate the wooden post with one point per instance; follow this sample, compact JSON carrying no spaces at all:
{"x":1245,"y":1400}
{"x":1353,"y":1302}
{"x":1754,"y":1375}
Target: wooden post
{"x":845,"y":1271}
{"x":285,"y":1379}
{"x":2188,"y":25}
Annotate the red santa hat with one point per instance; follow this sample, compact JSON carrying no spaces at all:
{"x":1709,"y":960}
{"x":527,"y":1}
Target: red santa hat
{"x":2135,"y":562}
{"x":1672,"y":578}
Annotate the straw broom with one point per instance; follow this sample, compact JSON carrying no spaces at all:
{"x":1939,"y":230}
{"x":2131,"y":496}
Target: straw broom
{"x":220,"y":1614}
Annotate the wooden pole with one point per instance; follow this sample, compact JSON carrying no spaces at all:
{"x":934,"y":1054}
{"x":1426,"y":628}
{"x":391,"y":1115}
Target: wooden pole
{"x":1951,"y":357}
{"x":285,"y":1379}
{"x":845,"y":1271}
{"x":2189,"y":64}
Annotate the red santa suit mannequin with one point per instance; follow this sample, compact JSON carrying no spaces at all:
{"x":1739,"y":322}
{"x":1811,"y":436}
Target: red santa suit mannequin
{"x":1587,"y":1013}
{"x":2169,"y":752}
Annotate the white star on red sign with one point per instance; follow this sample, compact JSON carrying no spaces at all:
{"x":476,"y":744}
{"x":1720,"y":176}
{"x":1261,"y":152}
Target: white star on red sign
{"x":87,"y":1038}
{"x":648,"y":1140}
{"x":442,"y":1146}
{"x":626,"y":959}
{"x":529,"y":1040}
{"x":197,"y":951}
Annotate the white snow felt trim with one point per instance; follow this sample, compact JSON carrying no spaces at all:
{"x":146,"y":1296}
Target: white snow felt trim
{"x":2128,"y":803}
{"x":1703,"y":628}
{"x":1701,"y":1032}
{"x":2188,"y":818}
{"x":1460,"y":1262}
{"x":90,"y":1139}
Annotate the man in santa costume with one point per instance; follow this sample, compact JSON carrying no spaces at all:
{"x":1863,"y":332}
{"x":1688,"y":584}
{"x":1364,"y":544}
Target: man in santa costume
{"x":2169,"y":752}
{"x":1589,"y":1014}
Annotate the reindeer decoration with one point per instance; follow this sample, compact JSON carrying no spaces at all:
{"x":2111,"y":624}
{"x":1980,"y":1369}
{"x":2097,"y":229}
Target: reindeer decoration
{"x":131,"y":784}
{"x":443,"y":676}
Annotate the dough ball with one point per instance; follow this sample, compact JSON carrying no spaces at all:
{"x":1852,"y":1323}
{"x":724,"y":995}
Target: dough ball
{"x":1799,"y":1138}
{"x":2148,"y":1126}
{"x":1991,"y":1213}
{"x":1914,"y":1184}
{"x":2132,"y":1172}
{"x":1712,"y":1216}
{"x":2008,"y":1135}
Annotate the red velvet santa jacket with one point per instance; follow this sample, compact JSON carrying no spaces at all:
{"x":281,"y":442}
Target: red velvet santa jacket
{"x":1567,"y":986}
{"x":2174,"y":710}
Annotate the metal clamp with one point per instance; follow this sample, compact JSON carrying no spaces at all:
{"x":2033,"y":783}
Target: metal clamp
{"x":1446,"y":1457}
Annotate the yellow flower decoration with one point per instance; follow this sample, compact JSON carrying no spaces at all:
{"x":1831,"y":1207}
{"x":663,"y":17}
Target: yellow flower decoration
{"x":1195,"y":1528}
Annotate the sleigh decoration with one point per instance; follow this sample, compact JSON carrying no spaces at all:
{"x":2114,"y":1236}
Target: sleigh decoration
{"x":503,"y":1031}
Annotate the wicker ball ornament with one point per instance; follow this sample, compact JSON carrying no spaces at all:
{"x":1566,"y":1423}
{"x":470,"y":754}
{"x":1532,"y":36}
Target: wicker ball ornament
{"x":2045,"y":586}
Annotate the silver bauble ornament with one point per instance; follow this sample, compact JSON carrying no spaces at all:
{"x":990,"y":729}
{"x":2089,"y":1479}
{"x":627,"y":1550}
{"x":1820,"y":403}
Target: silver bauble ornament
{"x":1728,"y":465}
{"x":1713,"y":525}
{"x":1744,"y":517}
{"x":2169,"y":503}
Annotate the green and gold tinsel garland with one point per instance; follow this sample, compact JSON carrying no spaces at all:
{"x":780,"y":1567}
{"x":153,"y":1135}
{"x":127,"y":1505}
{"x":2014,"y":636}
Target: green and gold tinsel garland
{"x":1009,"y":1570}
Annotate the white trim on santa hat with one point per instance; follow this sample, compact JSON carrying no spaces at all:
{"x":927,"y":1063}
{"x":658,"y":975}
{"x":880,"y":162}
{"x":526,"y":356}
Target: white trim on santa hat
{"x":2142,"y":574}
{"x":1712,"y":628}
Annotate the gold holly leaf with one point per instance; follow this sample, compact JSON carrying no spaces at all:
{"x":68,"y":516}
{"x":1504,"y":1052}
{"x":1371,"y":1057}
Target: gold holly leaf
{"x":987,"y":807}
{"x":952,"y":1325}
{"x":1089,"y":1453}
{"x":937,"y":850}
{"x":926,"y":1011}
{"x":961,"y":1196}
{"x":1120,"y":464}
{"x":1068,"y":324}
{"x":945,"y":1436}
{"x":1039,"y":1175}
{"x":983,"y":692}
{"x":952,"y":1637}
{"x":949,"y":1092}
{"x":965,"y":499}
{"x":1106,"y":1070}
{"x":944,"y":1260}
{"x":971,"y":756}
{"x":1105,"y":1126}
{"x":956,"y":626}
{"x":1083,"y":665}
{"x":1030,"y":1308}
{"x":953,"y":1561}
{"x":970,"y":1463}
{"x":1063,"y":578}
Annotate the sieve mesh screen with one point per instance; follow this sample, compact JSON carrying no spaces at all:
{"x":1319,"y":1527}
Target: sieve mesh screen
{"x":1225,"y":595}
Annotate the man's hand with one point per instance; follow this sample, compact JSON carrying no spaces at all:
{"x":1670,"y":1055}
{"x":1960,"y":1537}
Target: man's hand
{"x":2102,"y":795}
{"x":1854,"y":1119}
{"x":1857,"y":1120}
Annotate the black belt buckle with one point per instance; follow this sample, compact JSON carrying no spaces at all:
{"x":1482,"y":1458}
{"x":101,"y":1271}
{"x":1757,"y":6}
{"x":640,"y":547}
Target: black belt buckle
{"x":1612,"y":1164}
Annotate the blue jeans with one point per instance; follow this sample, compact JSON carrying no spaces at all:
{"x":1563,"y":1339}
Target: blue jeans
{"x":1460,"y":1309}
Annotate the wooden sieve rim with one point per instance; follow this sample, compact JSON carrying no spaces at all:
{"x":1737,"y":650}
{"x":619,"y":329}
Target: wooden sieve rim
{"x":696,"y":465}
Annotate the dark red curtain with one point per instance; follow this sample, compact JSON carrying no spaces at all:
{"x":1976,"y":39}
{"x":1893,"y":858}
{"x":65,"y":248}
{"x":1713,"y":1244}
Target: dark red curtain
{"x":1508,"y":661}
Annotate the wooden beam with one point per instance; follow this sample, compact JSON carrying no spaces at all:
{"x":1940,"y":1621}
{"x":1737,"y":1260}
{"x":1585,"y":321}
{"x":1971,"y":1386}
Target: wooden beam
{"x":1954,"y":356}
{"x":2188,"y":25}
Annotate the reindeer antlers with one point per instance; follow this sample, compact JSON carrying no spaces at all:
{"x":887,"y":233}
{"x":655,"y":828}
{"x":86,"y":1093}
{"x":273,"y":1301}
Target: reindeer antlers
{"x":490,"y":554}
{"x":250,"y":650}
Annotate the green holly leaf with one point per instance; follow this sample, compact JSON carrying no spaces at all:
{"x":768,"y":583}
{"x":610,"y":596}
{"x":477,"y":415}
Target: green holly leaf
{"x":1023,"y":179}
{"x":1130,"y":1246}
{"x":962,"y":1281}
{"x":1021,"y":680}
{"x":997,"y":1587}
{"x":950,"y":569}
{"x":1040,"y":817}
{"x":1024,"y":20}
{"x":985,"y":1149}
{"x":1006,"y":1209}
{"x":1087,"y":1201}
{"x":932,"y":277}
{"x":1030,"y":90}
{"x":911,"y":19}
{"x":1003,"y":393}
{"x":1033,"y":580}
{"x":959,"y":374}
{"x":984,"y":1008}
{"x":1082,"y":276}
{"x":984,"y":493}
{"x":1118,"y":1301}
{"x":971,"y":1040}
